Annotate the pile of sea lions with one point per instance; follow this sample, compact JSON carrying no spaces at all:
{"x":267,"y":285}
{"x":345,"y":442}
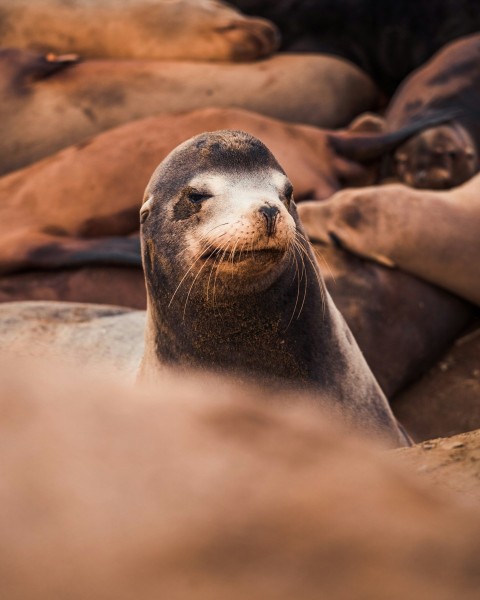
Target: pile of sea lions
{"x":309,"y":241}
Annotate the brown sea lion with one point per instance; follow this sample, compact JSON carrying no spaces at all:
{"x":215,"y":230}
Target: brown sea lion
{"x":100,"y":94}
{"x":433,"y":235}
{"x":232,"y":283}
{"x":163,"y":29}
{"x":64,"y":196}
{"x":96,"y":284}
{"x":56,"y":213}
{"x":201,"y":490}
{"x":91,"y":335}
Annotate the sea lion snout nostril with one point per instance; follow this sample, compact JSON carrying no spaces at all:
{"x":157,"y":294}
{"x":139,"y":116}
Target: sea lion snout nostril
{"x":270,"y":214}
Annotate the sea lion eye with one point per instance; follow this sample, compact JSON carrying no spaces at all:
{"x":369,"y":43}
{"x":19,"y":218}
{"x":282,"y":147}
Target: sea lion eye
{"x":453,"y":154}
{"x":197,"y":197}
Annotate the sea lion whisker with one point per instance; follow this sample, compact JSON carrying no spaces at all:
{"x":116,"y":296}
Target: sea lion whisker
{"x":241,"y":250}
{"x":217,"y":258}
{"x":302,"y":253}
{"x":232,"y":255}
{"x":314,"y":267}
{"x":297,"y":276}
{"x":318,"y":254}
{"x":305,"y":285}
{"x":199,"y":256}
{"x":190,"y":289}
{"x":204,"y":236}
{"x":218,"y":266}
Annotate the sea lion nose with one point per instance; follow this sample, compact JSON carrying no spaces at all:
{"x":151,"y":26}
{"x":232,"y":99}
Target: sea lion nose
{"x":270,"y":214}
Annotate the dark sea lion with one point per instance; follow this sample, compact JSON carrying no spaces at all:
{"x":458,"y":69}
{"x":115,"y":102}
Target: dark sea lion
{"x":401,"y":323}
{"x":447,"y":155}
{"x":163,"y":29}
{"x":232,"y":283}
{"x":387,"y":39}
{"x":438,"y":158}
{"x":97,"y":95}
{"x":446,"y":400}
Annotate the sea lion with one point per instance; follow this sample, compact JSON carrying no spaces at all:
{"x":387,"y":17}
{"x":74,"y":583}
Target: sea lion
{"x":445,"y":400}
{"x":232,"y":283}
{"x":388,"y":40}
{"x":96,"y":95}
{"x":97,"y":337}
{"x":448,"y":155}
{"x":201,"y":489}
{"x":163,"y":29}
{"x":433,"y":235}
{"x":95,"y":284}
{"x":56,"y":214}
{"x":438,"y":158}
{"x":400,"y":340}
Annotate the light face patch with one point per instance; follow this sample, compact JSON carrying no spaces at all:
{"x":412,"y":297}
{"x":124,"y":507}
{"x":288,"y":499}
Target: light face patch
{"x":235,"y":214}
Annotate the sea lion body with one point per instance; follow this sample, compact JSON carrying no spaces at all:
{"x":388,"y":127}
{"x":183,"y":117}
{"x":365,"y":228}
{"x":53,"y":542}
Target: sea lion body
{"x":433,"y":235}
{"x":101,"y":94}
{"x":98,"y":337}
{"x":204,"y":490}
{"x":163,"y":29}
{"x":448,"y":155}
{"x":388,"y":40}
{"x":232,"y":283}
{"x":95,"y":284}
{"x":445,"y":400}
{"x":49,"y":203}
{"x":400,"y":340}
{"x":438,"y":158}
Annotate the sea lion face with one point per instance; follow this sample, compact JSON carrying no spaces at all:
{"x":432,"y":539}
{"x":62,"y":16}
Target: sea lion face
{"x":438,"y":158}
{"x":219,"y":211}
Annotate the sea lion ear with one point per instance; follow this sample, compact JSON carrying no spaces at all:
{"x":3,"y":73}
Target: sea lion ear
{"x":470,"y":152}
{"x":43,"y":66}
{"x":145,"y":209}
{"x":368,"y":122}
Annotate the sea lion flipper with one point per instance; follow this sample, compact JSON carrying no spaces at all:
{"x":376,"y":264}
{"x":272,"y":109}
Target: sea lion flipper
{"x":72,"y":252}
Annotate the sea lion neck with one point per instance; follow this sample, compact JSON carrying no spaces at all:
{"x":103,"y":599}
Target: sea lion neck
{"x":279,"y":332}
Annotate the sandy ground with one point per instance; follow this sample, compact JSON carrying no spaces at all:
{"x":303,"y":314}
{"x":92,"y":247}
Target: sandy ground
{"x":452,"y":464}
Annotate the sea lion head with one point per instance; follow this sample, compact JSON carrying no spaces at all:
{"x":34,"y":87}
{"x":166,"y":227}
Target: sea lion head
{"x":437,"y":158}
{"x":218,"y":217}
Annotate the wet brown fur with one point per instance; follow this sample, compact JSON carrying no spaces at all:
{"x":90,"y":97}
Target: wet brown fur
{"x":97,"y":95}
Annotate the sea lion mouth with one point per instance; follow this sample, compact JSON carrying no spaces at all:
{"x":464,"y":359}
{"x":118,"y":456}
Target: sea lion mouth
{"x":258,"y":255}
